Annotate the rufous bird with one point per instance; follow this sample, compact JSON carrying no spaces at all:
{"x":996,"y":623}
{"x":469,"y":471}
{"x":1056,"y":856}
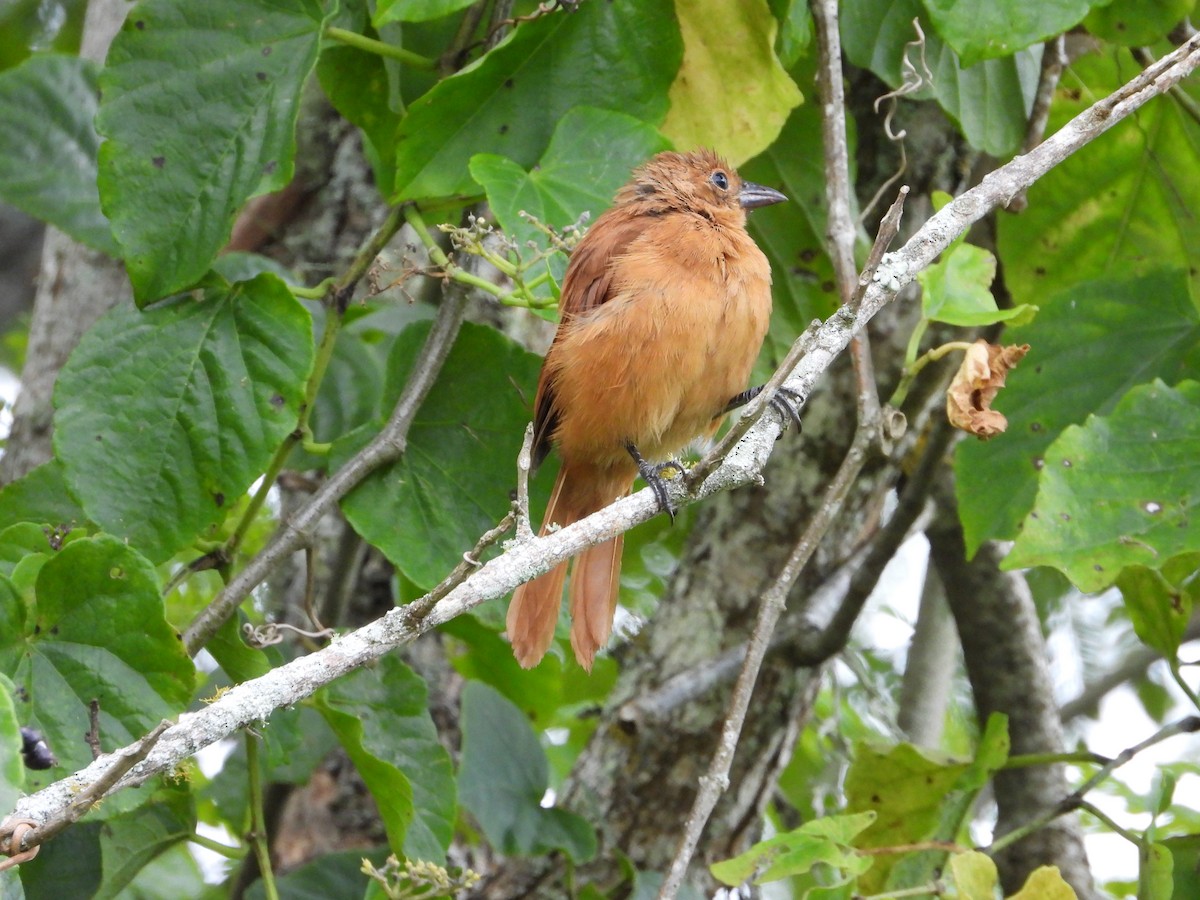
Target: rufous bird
{"x":664,"y":308}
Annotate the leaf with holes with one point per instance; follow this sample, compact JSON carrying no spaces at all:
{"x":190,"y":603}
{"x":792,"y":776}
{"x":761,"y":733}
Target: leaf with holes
{"x":1119,"y":490}
{"x":199,"y":112}
{"x":165,"y":417}
{"x":1090,"y":345}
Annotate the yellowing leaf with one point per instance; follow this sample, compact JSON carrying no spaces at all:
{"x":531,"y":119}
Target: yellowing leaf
{"x":731,"y":92}
{"x":974,"y":875}
{"x":1045,"y":884}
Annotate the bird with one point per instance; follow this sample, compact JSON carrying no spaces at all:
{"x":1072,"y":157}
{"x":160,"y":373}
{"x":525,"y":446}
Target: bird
{"x":663,"y":310}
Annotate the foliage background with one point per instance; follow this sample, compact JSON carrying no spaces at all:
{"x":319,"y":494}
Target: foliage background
{"x":210,"y":180}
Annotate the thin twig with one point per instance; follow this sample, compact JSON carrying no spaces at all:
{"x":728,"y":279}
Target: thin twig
{"x":287,"y":685}
{"x":524,"y":466}
{"x":774,"y":599}
{"x":1072,"y":802}
{"x":92,"y":738}
{"x":469,"y":563}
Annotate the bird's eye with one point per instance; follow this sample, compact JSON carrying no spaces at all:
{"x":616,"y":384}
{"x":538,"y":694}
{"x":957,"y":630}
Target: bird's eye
{"x":720,"y":180}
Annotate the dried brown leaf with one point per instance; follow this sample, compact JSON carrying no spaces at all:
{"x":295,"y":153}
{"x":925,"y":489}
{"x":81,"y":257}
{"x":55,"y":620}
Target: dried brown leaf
{"x":975,"y":385}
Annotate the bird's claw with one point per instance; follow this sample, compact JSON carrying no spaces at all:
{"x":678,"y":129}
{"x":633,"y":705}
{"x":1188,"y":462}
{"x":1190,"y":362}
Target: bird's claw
{"x":784,"y":401}
{"x":656,"y":475}
{"x":787,"y":403}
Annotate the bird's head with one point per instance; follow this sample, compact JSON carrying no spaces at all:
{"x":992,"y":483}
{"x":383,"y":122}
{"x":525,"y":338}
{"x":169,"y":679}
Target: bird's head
{"x":700,"y":182}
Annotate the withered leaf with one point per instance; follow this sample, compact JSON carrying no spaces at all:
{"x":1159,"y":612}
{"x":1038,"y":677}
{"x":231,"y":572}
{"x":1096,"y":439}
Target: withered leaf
{"x":975,"y":385}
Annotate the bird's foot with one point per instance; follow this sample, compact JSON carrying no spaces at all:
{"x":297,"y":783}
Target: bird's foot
{"x":656,"y":475}
{"x":784,"y":401}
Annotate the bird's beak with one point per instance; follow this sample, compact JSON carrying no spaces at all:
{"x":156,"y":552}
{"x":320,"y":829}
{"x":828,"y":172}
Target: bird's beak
{"x":752,"y":195}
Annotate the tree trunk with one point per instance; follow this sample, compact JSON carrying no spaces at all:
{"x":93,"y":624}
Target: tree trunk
{"x":1007,"y":665}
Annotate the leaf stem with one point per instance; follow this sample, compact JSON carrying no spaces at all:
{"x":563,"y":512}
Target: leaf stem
{"x":1183,"y":685}
{"x":913,"y":369}
{"x":316,"y":292}
{"x":1108,"y":821}
{"x":257,"y":835}
{"x":1026,"y":760}
{"x":200,"y":840}
{"x":371,"y":45}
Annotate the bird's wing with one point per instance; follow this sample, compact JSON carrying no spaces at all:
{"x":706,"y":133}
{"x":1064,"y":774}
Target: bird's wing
{"x":586,"y":285}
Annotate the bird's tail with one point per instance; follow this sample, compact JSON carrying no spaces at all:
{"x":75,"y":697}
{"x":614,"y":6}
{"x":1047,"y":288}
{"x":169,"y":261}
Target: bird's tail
{"x":533,"y":613}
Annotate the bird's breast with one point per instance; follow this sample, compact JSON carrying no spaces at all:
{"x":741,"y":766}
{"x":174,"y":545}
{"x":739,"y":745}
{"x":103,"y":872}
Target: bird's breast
{"x":656,"y":363}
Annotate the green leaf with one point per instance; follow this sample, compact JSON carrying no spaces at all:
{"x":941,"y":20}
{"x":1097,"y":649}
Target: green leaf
{"x":18,"y":543}
{"x":1119,"y":490}
{"x":97,"y":631}
{"x":1135,"y":23}
{"x":169,"y":876}
{"x":546,"y":694}
{"x":503,"y":776}
{"x":41,"y":496}
{"x":1185,"y":854}
{"x":452,"y":484}
{"x":415,"y":10}
{"x":172,"y":183}
{"x":1120,"y":207}
{"x":731,"y":93}
{"x":12,"y":767}
{"x":132,"y":840}
{"x":623,"y":56}
{"x":986,"y":29}
{"x":69,"y":866}
{"x":48,"y":164}
{"x":589,"y":158}
{"x":165,"y":417}
{"x":795,"y":30}
{"x":828,"y":840}
{"x":956,"y":290}
{"x":1160,"y":603}
{"x":991,"y":100}
{"x":1090,"y":345}
{"x":357,"y":84}
{"x":381,"y":720}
